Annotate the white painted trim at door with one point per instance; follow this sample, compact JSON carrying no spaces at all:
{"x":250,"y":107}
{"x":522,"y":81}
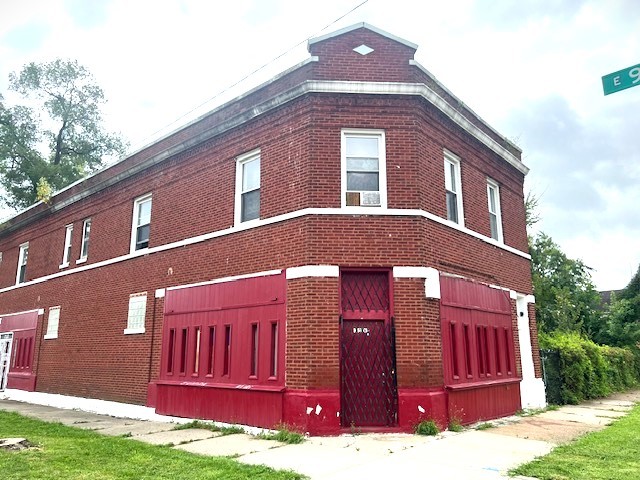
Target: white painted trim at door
{"x":331,"y":271}
{"x":532,"y":389}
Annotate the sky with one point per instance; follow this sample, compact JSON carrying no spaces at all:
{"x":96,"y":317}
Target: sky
{"x":531,"y":69}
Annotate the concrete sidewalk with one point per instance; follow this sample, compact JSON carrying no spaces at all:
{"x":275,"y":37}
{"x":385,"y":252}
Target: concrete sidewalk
{"x":471,"y":454}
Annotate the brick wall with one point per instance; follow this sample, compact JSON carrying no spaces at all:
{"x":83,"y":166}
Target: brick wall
{"x":535,"y":346}
{"x":418,"y":339}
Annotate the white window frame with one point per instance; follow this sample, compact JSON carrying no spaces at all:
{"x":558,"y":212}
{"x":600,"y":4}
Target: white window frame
{"x":53,"y":322}
{"x":84,"y":243}
{"x":66,"y":254}
{"x":451,"y":159}
{"x":382,"y":165}
{"x":240,"y":161}
{"x":135,"y":218}
{"x":493,"y":185}
{"x":136,"y":314}
{"x":23,"y":258}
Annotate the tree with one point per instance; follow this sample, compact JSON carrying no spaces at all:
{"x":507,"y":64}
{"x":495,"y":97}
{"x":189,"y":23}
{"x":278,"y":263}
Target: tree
{"x":40,"y":155}
{"x":565,"y":296}
{"x":531,"y":214}
{"x":621,"y":319}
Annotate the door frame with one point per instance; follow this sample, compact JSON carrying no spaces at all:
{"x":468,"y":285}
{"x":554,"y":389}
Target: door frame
{"x":389,"y":327}
{"x":6,"y":349}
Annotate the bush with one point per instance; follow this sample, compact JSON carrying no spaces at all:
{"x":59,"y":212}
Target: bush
{"x":577,"y":369}
{"x":427,"y":427}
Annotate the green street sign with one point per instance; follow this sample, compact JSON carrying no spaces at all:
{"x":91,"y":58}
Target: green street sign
{"x":622,"y":79}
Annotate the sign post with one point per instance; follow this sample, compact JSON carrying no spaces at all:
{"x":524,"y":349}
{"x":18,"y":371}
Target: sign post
{"x":621,"y":80}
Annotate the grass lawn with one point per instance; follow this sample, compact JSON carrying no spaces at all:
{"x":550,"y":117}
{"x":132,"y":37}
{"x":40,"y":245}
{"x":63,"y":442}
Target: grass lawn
{"x":72,"y":453}
{"x":611,"y":454}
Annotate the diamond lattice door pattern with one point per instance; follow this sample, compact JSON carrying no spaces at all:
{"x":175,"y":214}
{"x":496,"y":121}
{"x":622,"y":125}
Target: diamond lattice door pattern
{"x":368,"y":382}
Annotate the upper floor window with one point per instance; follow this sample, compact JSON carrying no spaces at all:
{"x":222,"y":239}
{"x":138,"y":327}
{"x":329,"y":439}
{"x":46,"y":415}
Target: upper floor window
{"x":22,"y":262}
{"x":66,"y":254}
{"x":453,"y":187}
{"x":364,"y":180}
{"x":141,"y":223}
{"x":495,"y":217}
{"x":248,"y":187}
{"x":84,"y":248}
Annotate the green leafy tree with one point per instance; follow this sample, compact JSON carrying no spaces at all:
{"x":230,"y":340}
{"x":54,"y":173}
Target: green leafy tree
{"x":566,"y":299}
{"x":621,"y":318}
{"x":39,"y":155}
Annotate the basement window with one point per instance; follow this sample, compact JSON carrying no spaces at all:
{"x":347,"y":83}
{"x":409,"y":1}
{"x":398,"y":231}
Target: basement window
{"x":363,"y":178}
{"x":137,"y":312}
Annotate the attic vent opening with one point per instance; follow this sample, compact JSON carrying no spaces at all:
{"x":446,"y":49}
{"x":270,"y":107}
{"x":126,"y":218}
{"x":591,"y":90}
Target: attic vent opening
{"x":363,"y":49}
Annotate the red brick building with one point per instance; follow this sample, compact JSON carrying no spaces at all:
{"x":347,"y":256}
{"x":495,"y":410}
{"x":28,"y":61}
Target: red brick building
{"x":342,"y":246}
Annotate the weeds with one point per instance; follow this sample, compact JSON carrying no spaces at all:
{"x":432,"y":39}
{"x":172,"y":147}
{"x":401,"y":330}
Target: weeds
{"x":484,"y":426}
{"x":283,"y":435}
{"x":427,"y":427}
{"x":455,"y":425}
{"x":231,"y":430}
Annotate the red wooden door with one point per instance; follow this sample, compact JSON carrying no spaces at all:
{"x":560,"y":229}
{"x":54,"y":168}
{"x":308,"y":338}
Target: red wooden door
{"x":368,"y":380}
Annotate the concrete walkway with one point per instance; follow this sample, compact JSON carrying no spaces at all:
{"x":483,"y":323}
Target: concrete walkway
{"x":472,"y":454}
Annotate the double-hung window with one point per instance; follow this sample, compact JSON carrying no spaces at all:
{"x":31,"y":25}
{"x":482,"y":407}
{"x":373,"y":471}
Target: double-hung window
{"x":248,"y":187}
{"x":66,"y":254}
{"x":364,"y":180}
{"x":141,"y":223}
{"x":495,"y":217}
{"x":84,"y":247}
{"x":22,"y":263}
{"x":453,"y":188}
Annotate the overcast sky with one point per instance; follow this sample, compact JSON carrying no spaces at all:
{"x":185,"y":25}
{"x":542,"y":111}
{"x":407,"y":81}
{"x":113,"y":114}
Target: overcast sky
{"x":532,"y":69}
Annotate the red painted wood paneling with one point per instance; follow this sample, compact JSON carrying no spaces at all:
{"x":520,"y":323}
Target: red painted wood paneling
{"x":231,"y":405}
{"x":484,"y":402}
{"x":223,"y":351}
{"x":478,"y":351}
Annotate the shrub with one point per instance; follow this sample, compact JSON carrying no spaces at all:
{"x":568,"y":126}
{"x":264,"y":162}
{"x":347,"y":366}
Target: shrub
{"x":427,"y":427}
{"x":578,"y":369}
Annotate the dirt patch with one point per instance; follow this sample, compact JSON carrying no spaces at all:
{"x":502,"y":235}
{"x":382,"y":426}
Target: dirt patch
{"x":16,"y":444}
{"x":630,"y":396}
{"x":552,"y":431}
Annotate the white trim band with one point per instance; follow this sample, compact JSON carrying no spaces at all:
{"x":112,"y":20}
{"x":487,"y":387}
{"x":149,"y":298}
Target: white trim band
{"x":360,"y":211}
{"x":303,"y":271}
{"x":431,"y":278}
{"x":227,"y":279}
